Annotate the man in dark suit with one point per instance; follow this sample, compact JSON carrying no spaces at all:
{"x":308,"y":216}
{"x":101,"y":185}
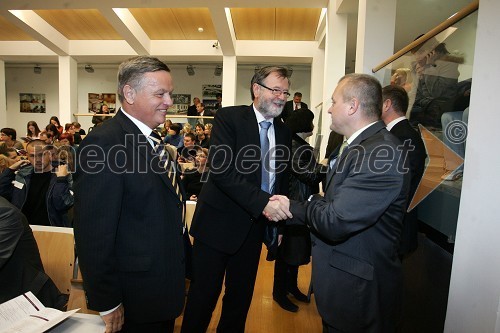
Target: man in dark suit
{"x":356,"y":226}
{"x":228,"y":224}
{"x":128,"y":211}
{"x":395,"y":104}
{"x":21,"y":268}
{"x":293,"y":105}
{"x":193,"y":112}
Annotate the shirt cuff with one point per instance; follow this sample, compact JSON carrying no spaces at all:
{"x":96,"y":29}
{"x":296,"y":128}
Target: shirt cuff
{"x":109,"y":311}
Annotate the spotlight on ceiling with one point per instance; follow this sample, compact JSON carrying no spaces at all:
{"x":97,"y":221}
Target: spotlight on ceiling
{"x":190,"y":70}
{"x":290,"y":71}
{"x":218,"y":70}
{"x":89,"y":69}
{"x":37,"y":69}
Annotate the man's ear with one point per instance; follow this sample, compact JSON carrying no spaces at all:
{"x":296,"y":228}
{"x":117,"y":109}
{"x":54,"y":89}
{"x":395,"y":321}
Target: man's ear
{"x":386,"y":105}
{"x":354,"y":105}
{"x":256,"y":89}
{"x":129,"y":94}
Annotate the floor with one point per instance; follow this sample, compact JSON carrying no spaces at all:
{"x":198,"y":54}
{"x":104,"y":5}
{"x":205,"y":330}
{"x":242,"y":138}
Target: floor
{"x":265,"y":315}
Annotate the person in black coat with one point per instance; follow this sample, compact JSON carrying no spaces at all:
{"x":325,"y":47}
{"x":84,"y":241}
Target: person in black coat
{"x":295,"y":247}
{"x":21,"y":268}
{"x":393,"y":114}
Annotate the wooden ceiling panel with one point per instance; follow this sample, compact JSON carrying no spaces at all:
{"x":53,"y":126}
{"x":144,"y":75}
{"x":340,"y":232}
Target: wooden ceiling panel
{"x":9,"y":32}
{"x":80,"y":24}
{"x":158,"y":23}
{"x":297,"y":23}
{"x":254,"y":23}
{"x":190,"y":19}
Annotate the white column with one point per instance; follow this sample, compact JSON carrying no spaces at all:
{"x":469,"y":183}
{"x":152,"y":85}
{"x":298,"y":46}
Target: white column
{"x":375,"y":40}
{"x":3,"y":96}
{"x":473,"y":302}
{"x":68,"y":89}
{"x":316,"y":95}
{"x":229,"y":80}
{"x":334,"y":69}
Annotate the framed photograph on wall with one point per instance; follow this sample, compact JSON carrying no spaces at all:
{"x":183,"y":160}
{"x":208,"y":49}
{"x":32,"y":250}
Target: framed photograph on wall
{"x":98,"y":99}
{"x":209,"y":93}
{"x":32,"y":103}
{"x":181,"y":104}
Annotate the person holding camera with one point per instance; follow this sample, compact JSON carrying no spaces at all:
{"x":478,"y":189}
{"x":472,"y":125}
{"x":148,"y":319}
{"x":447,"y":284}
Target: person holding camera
{"x":40,"y":190}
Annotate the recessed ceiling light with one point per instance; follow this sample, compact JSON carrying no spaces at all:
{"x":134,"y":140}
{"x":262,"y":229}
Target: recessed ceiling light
{"x":200,"y":29}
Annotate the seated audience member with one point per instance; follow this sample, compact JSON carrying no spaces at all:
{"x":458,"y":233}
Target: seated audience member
{"x":70,"y":129}
{"x":188,"y":152}
{"x":66,"y":139}
{"x":193,"y":179}
{"x":98,"y":120}
{"x":55,"y":121}
{"x":202,"y":140}
{"x":46,"y":137}
{"x":41,"y":192}
{"x":32,"y":130}
{"x":187,"y":128}
{"x":208,"y":131}
{"x":8,"y":156}
{"x":21,"y":268}
{"x":78,"y":128}
{"x":8,"y":136}
{"x":166,"y":127}
{"x":53,"y":132}
{"x":174,"y":137}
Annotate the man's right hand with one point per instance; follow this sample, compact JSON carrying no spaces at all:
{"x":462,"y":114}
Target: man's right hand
{"x":19,"y":164}
{"x":114,"y":320}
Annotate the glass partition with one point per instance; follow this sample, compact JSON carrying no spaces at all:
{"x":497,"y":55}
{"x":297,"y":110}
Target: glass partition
{"x":438,"y":76}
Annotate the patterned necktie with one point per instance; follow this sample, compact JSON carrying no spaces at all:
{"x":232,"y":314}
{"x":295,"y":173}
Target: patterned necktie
{"x":166,"y":160}
{"x":264,"y":156}
{"x":334,"y":159}
{"x":296,"y":106}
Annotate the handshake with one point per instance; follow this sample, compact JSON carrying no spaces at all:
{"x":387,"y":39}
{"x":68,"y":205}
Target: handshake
{"x":278,"y":208}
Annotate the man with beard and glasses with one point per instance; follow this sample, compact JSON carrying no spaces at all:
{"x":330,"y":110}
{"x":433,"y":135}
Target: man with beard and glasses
{"x":229,"y":224}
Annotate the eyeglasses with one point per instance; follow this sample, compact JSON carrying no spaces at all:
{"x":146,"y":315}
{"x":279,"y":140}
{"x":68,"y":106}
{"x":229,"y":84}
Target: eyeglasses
{"x":276,"y":92}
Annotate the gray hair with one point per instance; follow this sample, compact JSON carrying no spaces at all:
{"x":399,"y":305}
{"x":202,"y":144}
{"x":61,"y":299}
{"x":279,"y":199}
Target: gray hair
{"x":367,"y":90}
{"x":132,"y":71}
{"x":264,"y":72}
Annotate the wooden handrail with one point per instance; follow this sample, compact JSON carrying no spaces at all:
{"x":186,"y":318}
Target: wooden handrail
{"x":167,"y":116}
{"x":467,"y":10}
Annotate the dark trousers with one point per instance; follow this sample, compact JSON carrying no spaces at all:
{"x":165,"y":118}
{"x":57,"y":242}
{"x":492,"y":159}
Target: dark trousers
{"x":209,"y":268}
{"x":158,"y":327}
{"x":285,"y":277}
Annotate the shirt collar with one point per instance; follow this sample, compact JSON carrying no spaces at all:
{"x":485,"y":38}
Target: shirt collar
{"x":394,"y":122}
{"x":260,"y":117}
{"x":358,"y":132}
{"x":142,"y":127}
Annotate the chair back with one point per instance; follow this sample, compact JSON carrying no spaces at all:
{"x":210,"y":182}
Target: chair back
{"x":57,"y":251}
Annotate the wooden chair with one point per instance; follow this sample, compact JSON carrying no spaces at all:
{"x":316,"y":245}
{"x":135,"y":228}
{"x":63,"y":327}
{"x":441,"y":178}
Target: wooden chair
{"x":57,"y":251}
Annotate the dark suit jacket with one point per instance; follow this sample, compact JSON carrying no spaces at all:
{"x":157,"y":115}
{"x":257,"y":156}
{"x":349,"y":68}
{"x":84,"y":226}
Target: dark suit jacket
{"x":21,"y":268}
{"x":404,"y":131}
{"x":289,"y":108}
{"x":231,"y":200}
{"x":192,"y":110}
{"x":128,"y":225}
{"x":356,"y":231}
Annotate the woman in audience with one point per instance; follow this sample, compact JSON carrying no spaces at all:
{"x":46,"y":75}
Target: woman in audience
{"x":70,"y":129}
{"x":66,"y":139}
{"x":166,"y":127}
{"x":78,"y":128}
{"x":208,"y":130}
{"x":33,"y":132}
{"x":193,"y":179}
{"x":173,"y":137}
{"x":55,"y":121}
{"x":9,"y":137}
{"x":52,"y":132}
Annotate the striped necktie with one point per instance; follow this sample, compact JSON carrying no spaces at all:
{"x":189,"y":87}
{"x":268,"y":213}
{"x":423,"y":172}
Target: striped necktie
{"x":166,"y":160}
{"x":264,"y":151}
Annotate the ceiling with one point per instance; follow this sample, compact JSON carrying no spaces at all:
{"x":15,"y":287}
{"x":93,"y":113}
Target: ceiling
{"x":108,"y":31}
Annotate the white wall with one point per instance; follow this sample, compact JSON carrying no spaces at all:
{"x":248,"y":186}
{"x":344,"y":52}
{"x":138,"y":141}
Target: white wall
{"x":103,"y":80}
{"x":23,"y":80}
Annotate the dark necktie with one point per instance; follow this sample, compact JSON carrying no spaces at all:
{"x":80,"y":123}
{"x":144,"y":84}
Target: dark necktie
{"x":167,"y":163}
{"x":264,"y":156}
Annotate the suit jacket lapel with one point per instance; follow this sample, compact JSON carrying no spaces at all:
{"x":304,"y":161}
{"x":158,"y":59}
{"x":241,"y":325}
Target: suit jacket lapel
{"x":142,"y":146}
{"x":358,"y":140}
